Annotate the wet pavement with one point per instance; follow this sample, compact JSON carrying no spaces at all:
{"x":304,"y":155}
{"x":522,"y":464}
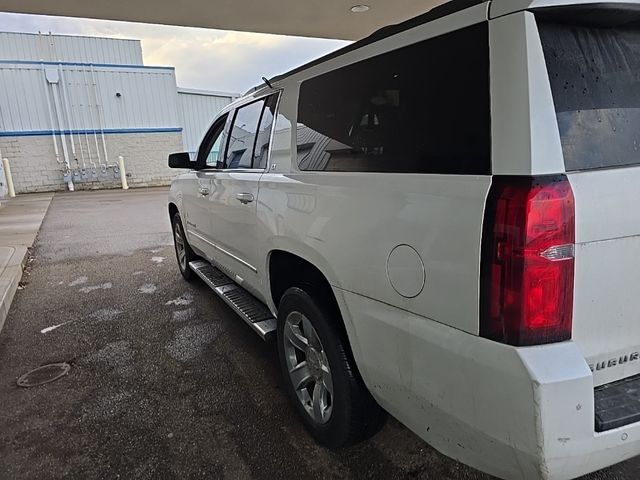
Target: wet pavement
{"x":166,"y":382}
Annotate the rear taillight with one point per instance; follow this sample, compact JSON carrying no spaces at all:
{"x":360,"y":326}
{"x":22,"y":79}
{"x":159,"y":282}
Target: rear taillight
{"x":527,"y":261}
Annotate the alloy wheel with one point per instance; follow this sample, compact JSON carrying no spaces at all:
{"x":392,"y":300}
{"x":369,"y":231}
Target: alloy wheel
{"x":181,"y":250}
{"x":308,"y":367}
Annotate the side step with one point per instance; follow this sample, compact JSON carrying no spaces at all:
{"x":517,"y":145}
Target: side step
{"x":250,"y":309}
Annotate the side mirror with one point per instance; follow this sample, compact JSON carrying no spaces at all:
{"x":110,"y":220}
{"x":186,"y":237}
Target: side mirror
{"x":181,"y":160}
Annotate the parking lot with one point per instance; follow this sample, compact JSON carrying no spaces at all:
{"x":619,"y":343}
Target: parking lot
{"x":165,"y":381}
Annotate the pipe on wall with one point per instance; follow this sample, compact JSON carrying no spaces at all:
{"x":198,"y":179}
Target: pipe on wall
{"x":98,"y":108}
{"x":103,"y":167}
{"x":52,"y":77}
{"x":64,"y":98}
{"x":84,"y":115}
{"x":54,"y":80}
{"x":53,"y":127}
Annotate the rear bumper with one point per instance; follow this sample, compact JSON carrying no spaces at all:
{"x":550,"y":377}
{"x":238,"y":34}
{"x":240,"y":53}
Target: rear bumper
{"x":512,"y":412}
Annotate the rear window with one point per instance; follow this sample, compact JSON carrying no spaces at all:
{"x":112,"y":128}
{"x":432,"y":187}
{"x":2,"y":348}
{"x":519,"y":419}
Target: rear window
{"x":594,"y":69}
{"x":421,"y":109}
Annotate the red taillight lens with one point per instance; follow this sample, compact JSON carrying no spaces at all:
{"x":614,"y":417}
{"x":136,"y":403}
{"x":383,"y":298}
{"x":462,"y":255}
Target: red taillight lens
{"x":527,"y":261}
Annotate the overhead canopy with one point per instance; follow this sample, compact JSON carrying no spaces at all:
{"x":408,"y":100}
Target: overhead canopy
{"x":325,"y":18}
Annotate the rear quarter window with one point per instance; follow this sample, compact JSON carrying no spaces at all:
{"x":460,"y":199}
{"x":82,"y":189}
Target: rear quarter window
{"x":423,"y":108}
{"x":594,"y":71}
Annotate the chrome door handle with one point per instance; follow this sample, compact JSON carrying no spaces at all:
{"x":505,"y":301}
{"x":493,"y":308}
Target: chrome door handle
{"x":245,"y":197}
{"x":204,"y":191}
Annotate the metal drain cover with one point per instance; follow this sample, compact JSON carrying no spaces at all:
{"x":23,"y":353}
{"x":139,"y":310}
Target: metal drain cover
{"x":44,"y":374}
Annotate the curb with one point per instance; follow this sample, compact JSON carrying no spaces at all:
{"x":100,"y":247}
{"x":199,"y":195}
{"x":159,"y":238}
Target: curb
{"x":10,"y":276}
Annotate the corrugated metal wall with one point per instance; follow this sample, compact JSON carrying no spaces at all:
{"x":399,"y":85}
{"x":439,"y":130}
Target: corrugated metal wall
{"x":95,"y":88}
{"x":198,"y":109}
{"x":86,"y":97}
{"x":67,"y":48}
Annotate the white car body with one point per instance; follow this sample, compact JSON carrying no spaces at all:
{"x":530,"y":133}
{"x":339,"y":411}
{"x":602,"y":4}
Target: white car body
{"x":515,"y":412}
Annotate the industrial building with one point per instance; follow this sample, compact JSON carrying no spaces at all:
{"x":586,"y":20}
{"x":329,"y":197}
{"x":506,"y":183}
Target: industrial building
{"x":71,"y":105}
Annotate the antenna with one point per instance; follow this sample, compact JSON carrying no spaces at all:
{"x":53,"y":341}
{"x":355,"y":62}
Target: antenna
{"x":267,"y":82}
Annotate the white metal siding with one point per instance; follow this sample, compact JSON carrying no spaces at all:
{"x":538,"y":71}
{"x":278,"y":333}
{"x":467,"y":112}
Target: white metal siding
{"x":197,"y":111}
{"x":66,"y":48}
{"x":148,"y":98}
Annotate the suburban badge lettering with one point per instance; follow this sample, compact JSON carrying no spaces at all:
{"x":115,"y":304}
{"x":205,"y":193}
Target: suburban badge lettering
{"x":612,"y":362}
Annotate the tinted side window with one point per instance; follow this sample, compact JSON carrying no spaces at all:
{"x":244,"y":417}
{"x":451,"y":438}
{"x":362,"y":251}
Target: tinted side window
{"x":420,"y":109}
{"x":242,"y":135}
{"x":261,"y":151}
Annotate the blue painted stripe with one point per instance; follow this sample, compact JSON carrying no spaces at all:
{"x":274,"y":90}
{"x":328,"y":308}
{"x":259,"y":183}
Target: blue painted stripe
{"x":36,"y":133}
{"x":76,"y":64}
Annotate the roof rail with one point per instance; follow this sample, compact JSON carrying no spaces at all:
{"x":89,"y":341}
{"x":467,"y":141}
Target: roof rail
{"x":451,"y":6}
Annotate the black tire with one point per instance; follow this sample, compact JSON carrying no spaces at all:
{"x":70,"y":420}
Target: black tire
{"x":355,"y":415}
{"x":183,"y":264}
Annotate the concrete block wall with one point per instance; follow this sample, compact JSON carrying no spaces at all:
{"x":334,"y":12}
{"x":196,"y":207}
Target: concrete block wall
{"x":34,"y":167}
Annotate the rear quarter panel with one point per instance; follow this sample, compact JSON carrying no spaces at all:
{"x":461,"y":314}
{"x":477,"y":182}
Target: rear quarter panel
{"x":347,"y":224}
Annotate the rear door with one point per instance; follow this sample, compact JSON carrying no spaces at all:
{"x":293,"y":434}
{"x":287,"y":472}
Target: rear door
{"x":234,"y":190}
{"x":593,"y":61}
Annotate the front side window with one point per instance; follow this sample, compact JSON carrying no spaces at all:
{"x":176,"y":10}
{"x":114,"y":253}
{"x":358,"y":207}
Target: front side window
{"x":593,"y":61}
{"x":421,"y":109}
{"x":210,"y":151}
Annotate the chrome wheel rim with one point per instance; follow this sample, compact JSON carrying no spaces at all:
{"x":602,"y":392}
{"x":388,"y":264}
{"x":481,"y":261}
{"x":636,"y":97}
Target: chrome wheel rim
{"x":308,"y":367}
{"x":181,"y":250}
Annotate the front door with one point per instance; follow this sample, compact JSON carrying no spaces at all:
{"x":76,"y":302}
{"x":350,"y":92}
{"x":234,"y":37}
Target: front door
{"x":198,"y":200}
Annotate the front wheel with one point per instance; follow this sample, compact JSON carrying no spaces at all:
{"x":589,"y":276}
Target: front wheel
{"x":184,"y":254}
{"x":320,"y":374}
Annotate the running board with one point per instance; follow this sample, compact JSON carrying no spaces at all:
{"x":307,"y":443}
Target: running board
{"x":250,"y":309}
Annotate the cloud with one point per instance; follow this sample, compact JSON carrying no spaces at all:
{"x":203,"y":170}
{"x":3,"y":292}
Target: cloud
{"x":204,"y":58}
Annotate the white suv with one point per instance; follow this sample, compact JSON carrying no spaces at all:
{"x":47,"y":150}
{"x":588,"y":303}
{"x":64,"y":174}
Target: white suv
{"x":442,"y":222}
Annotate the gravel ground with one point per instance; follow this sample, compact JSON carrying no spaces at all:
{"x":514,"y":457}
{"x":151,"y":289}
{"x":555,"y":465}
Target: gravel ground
{"x":166,"y":382}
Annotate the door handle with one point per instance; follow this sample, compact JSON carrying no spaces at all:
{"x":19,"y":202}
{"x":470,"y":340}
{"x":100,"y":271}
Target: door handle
{"x":204,"y":191}
{"x":245,"y":197}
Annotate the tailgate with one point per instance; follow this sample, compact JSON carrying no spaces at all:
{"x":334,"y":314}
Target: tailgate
{"x":592,"y":54}
{"x":606,"y":315}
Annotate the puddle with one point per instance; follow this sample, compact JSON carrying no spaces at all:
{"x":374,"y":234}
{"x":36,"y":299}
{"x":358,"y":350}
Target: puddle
{"x":184,"y":299}
{"x":147,"y":288}
{"x":104,"y":286}
{"x":105,"y":314}
{"x":78,"y":281}
{"x":184,"y":315}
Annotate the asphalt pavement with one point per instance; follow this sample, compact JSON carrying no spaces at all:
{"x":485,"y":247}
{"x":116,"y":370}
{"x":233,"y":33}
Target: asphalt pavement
{"x":165,"y":380}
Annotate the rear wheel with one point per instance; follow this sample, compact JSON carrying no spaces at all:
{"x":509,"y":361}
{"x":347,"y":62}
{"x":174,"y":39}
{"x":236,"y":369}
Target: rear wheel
{"x":184,"y":254}
{"x":320,"y":374}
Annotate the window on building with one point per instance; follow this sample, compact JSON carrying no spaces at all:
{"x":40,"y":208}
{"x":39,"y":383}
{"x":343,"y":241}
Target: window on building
{"x":421,"y":109}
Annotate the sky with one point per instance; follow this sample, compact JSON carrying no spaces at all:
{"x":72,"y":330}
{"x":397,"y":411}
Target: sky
{"x":204,"y":58}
